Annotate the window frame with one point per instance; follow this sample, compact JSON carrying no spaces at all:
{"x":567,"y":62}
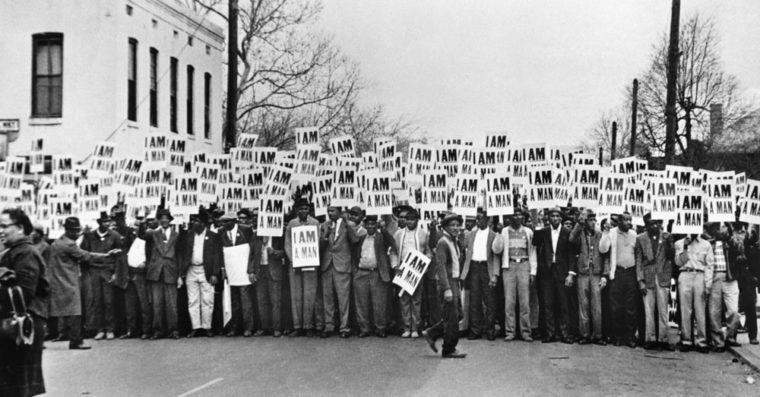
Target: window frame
{"x":48,"y":39}
{"x":132,"y":79}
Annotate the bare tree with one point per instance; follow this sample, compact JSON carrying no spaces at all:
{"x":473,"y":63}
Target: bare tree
{"x":600,"y":134}
{"x":701,"y":82}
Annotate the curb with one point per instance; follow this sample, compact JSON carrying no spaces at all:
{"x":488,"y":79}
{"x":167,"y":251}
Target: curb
{"x":746,"y":357}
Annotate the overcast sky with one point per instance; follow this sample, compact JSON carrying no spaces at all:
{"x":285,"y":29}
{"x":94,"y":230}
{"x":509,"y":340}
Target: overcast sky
{"x":543,"y":70}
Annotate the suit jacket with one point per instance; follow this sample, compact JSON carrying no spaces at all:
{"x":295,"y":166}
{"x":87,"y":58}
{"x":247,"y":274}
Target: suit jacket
{"x":494,"y":263}
{"x":650,"y":264}
{"x":212,"y":253}
{"x":336,"y":246}
{"x":243,"y":235}
{"x":580,"y":239}
{"x":162,"y":265}
{"x":276,"y":258}
{"x":445,"y":260}
{"x":383,"y":242}
{"x":542,"y":239}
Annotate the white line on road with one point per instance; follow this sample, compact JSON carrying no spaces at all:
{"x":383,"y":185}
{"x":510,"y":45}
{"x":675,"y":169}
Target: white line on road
{"x":201,"y":387}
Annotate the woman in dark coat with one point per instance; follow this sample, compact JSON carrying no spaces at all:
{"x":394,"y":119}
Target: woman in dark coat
{"x":21,"y":366}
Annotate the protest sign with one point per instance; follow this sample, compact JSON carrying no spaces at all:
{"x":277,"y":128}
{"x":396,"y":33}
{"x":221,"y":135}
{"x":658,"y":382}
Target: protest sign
{"x":264,"y":157}
{"x":176,"y":147}
{"x":585,"y":188}
{"x":561,"y":187}
{"x":685,"y":177}
{"x":306,"y":164}
{"x":612,"y":192}
{"x":719,"y":198}
{"x":305,"y":243}
{"x":630,"y":166}
{"x":232,"y":196}
{"x":663,"y":198}
{"x":321,"y":188}
{"x":541,"y":182}
{"x":271,"y":216}
{"x":499,"y":195}
{"x":36,"y":156}
{"x":102,"y":159}
{"x":342,"y":146}
{"x":184,"y":196}
{"x":307,"y":136}
{"x":411,"y":271}
{"x":278,"y":181}
{"x":253,"y":181}
{"x":740,"y":184}
{"x":378,"y":200}
{"x":465,"y":200}
{"x":688,"y":218}
{"x":447,"y":158}
{"x":420,"y":158}
{"x":236,"y":264}
{"x":155,"y":148}
{"x":637,"y":202}
{"x":247,"y":141}
{"x":344,"y":186}
{"x":208,"y":182}
{"x":136,"y":254}
{"x":499,"y":141}
{"x":434,"y":190}
{"x":750,"y":205}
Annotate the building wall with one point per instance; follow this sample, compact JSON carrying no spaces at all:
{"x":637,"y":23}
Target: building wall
{"x":95,"y":53}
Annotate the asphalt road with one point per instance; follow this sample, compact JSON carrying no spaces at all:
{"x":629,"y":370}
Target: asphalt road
{"x":268,"y":366}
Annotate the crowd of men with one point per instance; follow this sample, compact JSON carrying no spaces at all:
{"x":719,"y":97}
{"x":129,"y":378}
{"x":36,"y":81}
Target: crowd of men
{"x":554,"y":275}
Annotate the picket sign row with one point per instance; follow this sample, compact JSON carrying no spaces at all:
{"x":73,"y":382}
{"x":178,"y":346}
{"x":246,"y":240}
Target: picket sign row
{"x":453,"y":175}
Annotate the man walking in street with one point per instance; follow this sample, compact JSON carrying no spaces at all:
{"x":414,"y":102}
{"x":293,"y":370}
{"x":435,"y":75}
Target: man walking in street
{"x":447,"y":267}
{"x":654,"y":267}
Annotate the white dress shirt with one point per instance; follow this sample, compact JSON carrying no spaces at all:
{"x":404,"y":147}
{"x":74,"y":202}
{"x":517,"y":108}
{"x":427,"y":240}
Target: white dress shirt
{"x":198,"y":240}
{"x":480,"y":246}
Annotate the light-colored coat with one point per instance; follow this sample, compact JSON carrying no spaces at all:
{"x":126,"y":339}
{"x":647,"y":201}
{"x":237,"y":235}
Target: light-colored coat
{"x":501,"y":244}
{"x":492,"y":258}
{"x":422,"y":245}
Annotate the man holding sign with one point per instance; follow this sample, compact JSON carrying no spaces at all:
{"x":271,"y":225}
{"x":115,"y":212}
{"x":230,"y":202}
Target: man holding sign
{"x":305,"y":303}
{"x":239,"y":272}
{"x":371,"y":276}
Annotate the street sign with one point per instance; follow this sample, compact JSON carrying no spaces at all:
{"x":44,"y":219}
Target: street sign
{"x":9,"y":125}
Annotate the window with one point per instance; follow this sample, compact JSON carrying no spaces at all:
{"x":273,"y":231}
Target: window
{"x":190,"y":41}
{"x":173,"y":94}
{"x":207,"y":106}
{"x":190,"y":75}
{"x":153,"y":87}
{"x":47,"y":74}
{"x":132,"y":81}
{"x":129,"y":9}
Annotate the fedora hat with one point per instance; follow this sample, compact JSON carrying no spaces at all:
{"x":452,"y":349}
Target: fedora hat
{"x":72,"y":222}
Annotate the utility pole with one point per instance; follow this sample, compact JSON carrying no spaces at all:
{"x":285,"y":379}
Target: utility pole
{"x":601,"y":155}
{"x":670,"y":99}
{"x":613,"y":148}
{"x":634,"y":116}
{"x":230,"y":123}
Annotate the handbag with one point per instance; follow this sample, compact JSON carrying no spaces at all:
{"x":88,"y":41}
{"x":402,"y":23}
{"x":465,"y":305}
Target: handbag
{"x":17,"y":326}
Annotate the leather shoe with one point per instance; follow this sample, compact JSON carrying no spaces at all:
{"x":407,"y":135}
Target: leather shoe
{"x":667,"y":346}
{"x":703,"y":349}
{"x":296,"y":333}
{"x":381,"y":334}
{"x":490,"y":335}
{"x":259,"y":333}
{"x":344,"y":335}
{"x":144,"y":337}
{"x":473,"y":336}
{"x":631,"y":344}
{"x":584,"y":341}
{"x":209,"y":333}
{"x":127,"y":335}
{"x":156,"y":336}
{"x":650,"y":346}
{"x":753,"y":342}
{"x":600,"y":342}
{"x":363,"y":334}
{"x":325,"y":334}
{"x":231,"y":334}
{"x":719,"y":349}
{"x":430,"y":341}
{"x":455,"y":354}
{"x":80,"y":346}
{"x":732,"y":343}
{"x":685,"y":348}
{"x":310,"y":333}
{"x":174,"y":335}
{"x":247,"y":334}
{"x":277,"y":334}
{"x":59,"y":338}
{"x":548,"y":340}
{"x":192,"y":334}
{"x":568,"y":341}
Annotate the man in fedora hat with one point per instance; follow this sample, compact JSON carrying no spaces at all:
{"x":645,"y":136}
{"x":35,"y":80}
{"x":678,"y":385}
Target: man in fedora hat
{"x":200,"y":264}
{"x":162,"y":273}
{"x":63,"y":269}
{"x":231,"y":234}
{"x":102,"y":276}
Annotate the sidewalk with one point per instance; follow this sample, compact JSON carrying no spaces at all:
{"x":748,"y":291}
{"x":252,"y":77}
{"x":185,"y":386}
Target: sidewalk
{"x":750,"y":354}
